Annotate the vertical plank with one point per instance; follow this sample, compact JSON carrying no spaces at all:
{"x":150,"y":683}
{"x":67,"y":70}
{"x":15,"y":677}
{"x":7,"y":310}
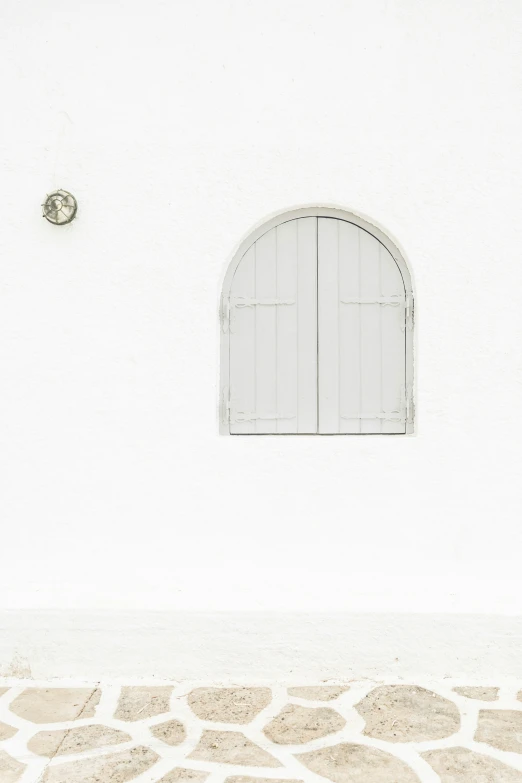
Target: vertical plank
{"x":371,"y":350}
{"x":349,"y":328}
{"x":242,"y":346}
{"x":286,"y":324}
{"x":307,"y":325}
{"x":393,"y":323}
{"x":266,"y":331}
{"x":328,"y":325}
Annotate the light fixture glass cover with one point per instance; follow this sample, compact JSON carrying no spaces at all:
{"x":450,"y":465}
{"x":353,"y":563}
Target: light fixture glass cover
{"x":60,"y":207}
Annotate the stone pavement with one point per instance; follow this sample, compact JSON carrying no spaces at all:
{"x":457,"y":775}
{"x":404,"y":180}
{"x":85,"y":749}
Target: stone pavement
{"x":351,"y":732}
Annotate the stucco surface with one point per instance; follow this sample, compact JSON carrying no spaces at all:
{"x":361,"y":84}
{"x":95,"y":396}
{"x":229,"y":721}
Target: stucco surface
{"x":179,"y":128}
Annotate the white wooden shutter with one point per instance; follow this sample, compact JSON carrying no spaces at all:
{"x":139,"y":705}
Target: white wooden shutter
{"x":272,"y":319}
{"x":362,"y":333}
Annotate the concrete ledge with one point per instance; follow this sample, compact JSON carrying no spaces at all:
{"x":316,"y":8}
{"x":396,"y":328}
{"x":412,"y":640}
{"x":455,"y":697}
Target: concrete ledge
{"x":257,"y":645}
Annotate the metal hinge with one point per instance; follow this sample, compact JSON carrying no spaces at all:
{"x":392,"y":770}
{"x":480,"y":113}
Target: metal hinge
{"x":394,"y":301}
{"x":245,"y":301}
{"x":385,"y":416}
{"x":405,"y":414}
{"x":240,"y":417}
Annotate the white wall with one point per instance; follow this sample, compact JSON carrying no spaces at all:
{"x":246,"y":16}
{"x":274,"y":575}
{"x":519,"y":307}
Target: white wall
{"x":179,"y":127}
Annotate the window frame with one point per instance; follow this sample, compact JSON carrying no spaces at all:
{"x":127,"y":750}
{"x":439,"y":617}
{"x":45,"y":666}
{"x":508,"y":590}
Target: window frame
{"x":277,"y":220}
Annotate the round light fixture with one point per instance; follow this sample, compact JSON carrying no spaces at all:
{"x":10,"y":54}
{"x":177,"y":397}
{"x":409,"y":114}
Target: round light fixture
{"x":60,"y":207}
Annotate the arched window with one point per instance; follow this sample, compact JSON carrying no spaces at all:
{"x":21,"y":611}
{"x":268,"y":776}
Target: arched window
{"x":317,"y":330}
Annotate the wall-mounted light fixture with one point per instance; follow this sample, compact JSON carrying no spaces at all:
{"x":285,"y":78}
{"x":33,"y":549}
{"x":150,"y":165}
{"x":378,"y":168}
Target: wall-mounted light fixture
{"x":60,"y":207}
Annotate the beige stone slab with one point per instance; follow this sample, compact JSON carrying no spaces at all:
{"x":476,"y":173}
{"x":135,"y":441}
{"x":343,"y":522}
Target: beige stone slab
{"x":54,"y":705}
{"x":407,"y":713}
{"x":229,"y":705}
{"x":6,"y":731}
{"x":318,"y":692}
{"x":296,"y":725}
{"x":460,"y":765}
{"x":137,"y":702}
{"x":172,"y":732}
{"x":349,"y":763}
{"x":66,"y":741}
{"x":3,"y":690}
{"x":114,"y":768}
{"x":501,"y":729}
{"x":181,"y":775}
{"x":11,"y":770}
{"x":232,"y":747}
{"x":475,"y":692}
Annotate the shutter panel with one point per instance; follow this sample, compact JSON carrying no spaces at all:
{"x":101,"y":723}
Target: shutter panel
{"x":362,"y":333}
{"x":273,"y":333}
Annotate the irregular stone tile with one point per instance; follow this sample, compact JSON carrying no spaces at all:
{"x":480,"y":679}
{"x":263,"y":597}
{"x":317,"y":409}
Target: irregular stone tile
{"x":53,"y":705}
{"x":296,"y":725}
{"x":137,"y":702}
{"x":116,"y":768}
{"x":180,"y":775}
{"x":347,"y":763}
{"x":11,"y":770}
{"x":482,"y":694}
{"x":229,"y":705}
{"x":66,"y":741}
{"x":3,"y":690}
{"x":407,"y":713}
{"x":248,"y":779}
{"x":519,"y":696}
{"x":231,"y":747}
{"x":6,"y":732}
{"x":460,"y":765}
{"x":501,"y":729}
{"x":172,"y":732}
{"x":318,"y":692}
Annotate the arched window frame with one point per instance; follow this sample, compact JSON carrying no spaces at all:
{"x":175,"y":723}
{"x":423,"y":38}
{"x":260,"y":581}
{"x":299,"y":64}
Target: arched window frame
{"x":283,"y":217}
